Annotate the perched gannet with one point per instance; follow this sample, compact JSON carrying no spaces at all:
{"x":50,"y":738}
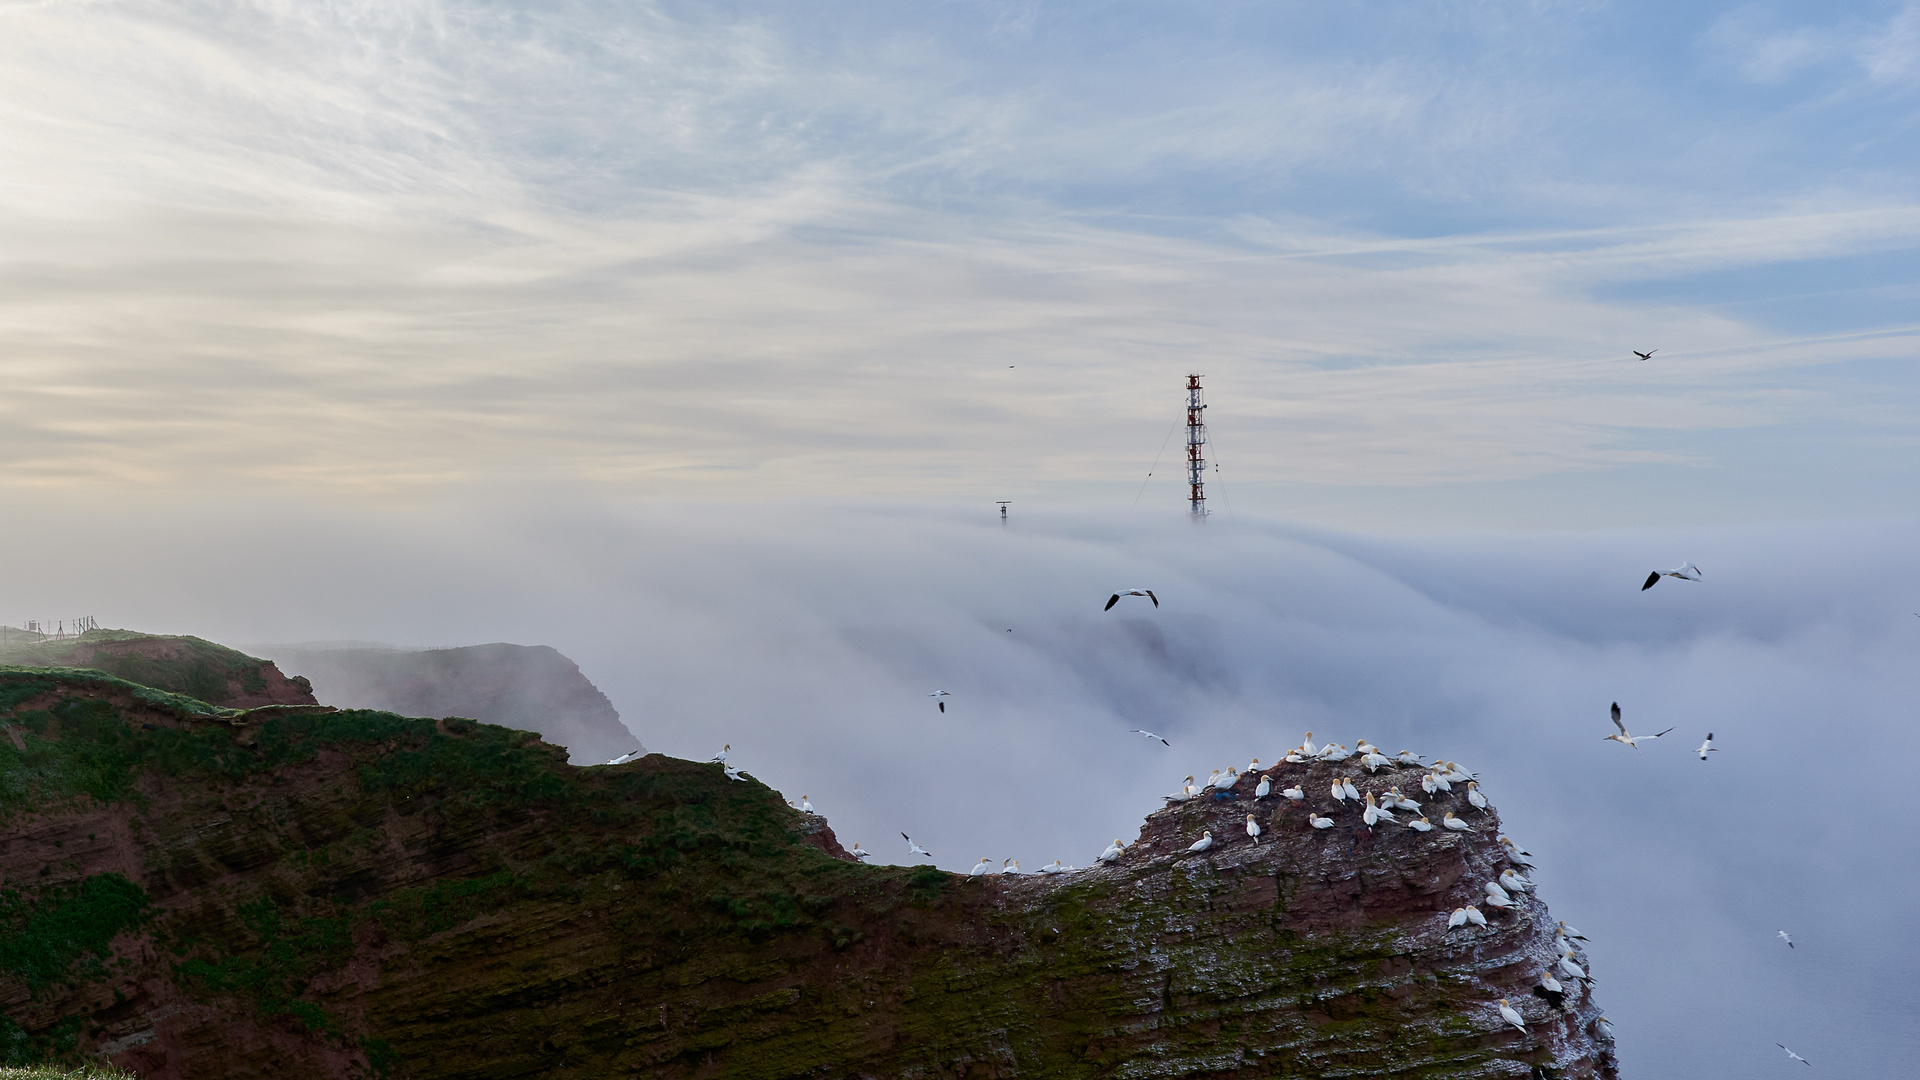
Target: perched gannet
{"x":940,"y":694}
{"x":1365,"y":747}
{"x":1565,"y":931}
{"x":981,"y":867}
{"x":1548,"y":982}
{"x":1624,"y":738}
{"x":805,"y":806}
{"x":1113,"y":850}
{"x":1785,"y":938}
{"x":1500,"y":902}
{"x":1339,"y":790}
{"x":1319,"y":822}
{"x":1010,"y":866}
{"x":1707,"y":747}
{"x":1150,"y":735}
{"x":732,"y":773}
{"x":1406,"y":757}
{"x":1512,"y":1015}
{"x":1347,"y":786}
{"x":1514,"y":854}
{"x":1148,"y":593}
{"x":1266,"y":786}
{"x":1438,"y":780}
{"x":721,"y":757}
{"x":1374,"y":759}
{"x":1513,"y":882}
{"x":628,"y":756}
{"x":1570,"y":969}
{"x":913,"y":848}
{"x":1492,"y":888}
{"x":1795,"y":1056}
{"x":1373,"y":814}
{"x":1455,"y":823}
{"x":1253,"y":769}
{"x":1336,"y":752}
{"x":1474,"y":916}
{"x":1293,"y":757}
{"x":1211,"y":777}
{"x":1185,"y":792}
{"x":1458,"y":918}
{"x":1293,"y":794}
{"x":1253,"y":828}
{"x":1226,"y":780}
{"x":1397,"y":801}
{"x":858,"y":854}
{"x":1474,"y":797}
{"x":1056,"y":868}
{"x":1203,"y":843}
{"x":1450,"y":770}
{"x":1604,"y":1027}
{"x":1307,"y":748}
{"x":1422,"y":825}
{"x":1685,"y":572}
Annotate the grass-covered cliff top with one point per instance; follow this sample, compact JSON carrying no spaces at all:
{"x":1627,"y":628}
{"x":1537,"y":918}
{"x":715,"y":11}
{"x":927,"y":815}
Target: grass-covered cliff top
{"x":179,"y":664}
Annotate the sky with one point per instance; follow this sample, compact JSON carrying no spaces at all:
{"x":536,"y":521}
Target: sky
{"x":699,"y":341}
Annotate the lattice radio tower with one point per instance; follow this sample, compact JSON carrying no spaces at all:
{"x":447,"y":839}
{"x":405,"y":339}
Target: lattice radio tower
{"x":1196,"y":449}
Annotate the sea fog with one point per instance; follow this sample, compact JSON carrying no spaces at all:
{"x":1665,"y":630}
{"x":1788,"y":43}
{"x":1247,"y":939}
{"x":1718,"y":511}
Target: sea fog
{"x":810,"y":638}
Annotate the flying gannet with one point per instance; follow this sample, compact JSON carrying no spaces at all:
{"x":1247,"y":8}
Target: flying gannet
{"x":1785,"y":938}
{"x":1707,"y":747}
{"x":1478,"y":800}
{"x":1319,"y":822}
{"x":1265,"y":787}
{"x":981,"y":867}
{"x":1253,"y":829}
{"x":914,"y":849}
{"x":1684,"y":572}
{"x":1203,"y":843}
{"x":1148,"y":593}
{"x":1455,"y":823}
{"x":1149,"y":735}
{"x":721,"y":757}
{"x":1623,"y":738}
{"x":1113,"y":851}
{"x":1795,"y":1056}
{"x":1512,"y":1015}
{"x":940,"y":694}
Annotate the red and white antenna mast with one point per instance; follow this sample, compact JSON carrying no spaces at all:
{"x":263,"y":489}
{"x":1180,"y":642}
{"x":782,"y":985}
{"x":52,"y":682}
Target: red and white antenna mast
{"x":1196,"y":448}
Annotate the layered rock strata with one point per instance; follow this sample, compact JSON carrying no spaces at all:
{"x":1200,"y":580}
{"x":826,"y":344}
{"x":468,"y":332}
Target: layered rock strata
{"x":292,"y":893}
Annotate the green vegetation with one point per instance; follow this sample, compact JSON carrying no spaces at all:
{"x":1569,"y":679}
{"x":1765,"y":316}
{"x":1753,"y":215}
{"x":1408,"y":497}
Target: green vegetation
{"x":46,"y":934}
{"x":191,"y":666}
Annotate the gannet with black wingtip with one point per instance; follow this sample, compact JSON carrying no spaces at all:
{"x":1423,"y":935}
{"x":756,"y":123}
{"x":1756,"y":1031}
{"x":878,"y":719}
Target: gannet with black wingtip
{"x":1319,"y":822}
{"x":1253,"y":769}
{"x":1056,"y":868}
{"x":1565,"y":931}
{"x":1293,"y":757}
{"x":1478,"y":801}
{"x":1785,"y":938}
{"x":1795,"y":1056}
{"x":1374,"y":760}
{"x":1185,"y":792}
{"x":1113,"y":851}
{"x":1148,"y":593}
{"x":1570,"y":969}
{"x":914,"y":849}
{"x":1512,"y":1015}
{"x":1474,"y":916}
{"x":981,"y":867}
{"x":1420,"y":825}
{"x":1294,"y":793}
{"x":1451,"y":770}
{"x":1514,"y":853}
{"x":1457,"y":919}
{"x":1211,"y":777}
{"x":1441,"y":781}
{"x":1624,"y":738}
{"x":1707,"y":747}
{"x":1253,"y":828}
{"x":1226,"y":780}
{"x":721,"y":757}
{"x":1548,"y":982}
{"x":1604,"y":1027}
{"x":1203,"y":843}
{"x":1148,"y":734}
{"x":1406,"y":757}
{"x":1336,"y":752}
{"x":1684,"y":572}
{"x":1455,"y":823}
{"x":862,"y":856}
{"x":732,"y":773}
{"x":1372,"y":815}
{"x":940,"y":694}
{"x":1513,"y":882}
{"x":1395,"y":801}
{"x":1265,"y":787}
{"x":630,"y":755}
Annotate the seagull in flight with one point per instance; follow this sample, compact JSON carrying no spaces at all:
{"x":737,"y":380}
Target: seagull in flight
{"x":914,"y":849}
{"x":1795,"y":1056}
{"x":1785,"y":938}
{"x":1707,"y":747}
{"x":1648,"y":355}
{"x":940,"y":694}
{"x":1148,"y":734}
{"x":1624,"y":738}
{"x":1684,"y":572}
{"x":1148,"y":593}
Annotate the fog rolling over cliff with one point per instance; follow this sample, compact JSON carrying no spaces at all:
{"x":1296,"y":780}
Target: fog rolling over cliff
{"x":530,"y":687}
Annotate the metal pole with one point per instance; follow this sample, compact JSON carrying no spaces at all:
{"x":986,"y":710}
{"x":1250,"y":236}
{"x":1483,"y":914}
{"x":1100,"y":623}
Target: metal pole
{"x":1196,"y":449}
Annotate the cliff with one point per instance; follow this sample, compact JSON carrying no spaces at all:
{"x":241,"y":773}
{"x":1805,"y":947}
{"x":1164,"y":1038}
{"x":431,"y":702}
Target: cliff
{"x":183,"y":665}
{"x":289,"y":892}
{"x":530,"y":687}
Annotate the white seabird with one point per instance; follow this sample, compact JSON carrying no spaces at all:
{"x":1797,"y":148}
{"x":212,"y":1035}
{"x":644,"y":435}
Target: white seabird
{"x":721,"y":757}
{"x":1113,"y":851}
{"x":1010,"y":866}
{"x":1319,"y":822}
{"x":1548,"y":982}
{"x":1707,"y":747}
{"x":1347,"y":786}
{"x":1266,"y":787}
{"x":732,"y":773}
{"x":1253,"y":828}
{"x":1148,"y":593}
{"x":1513,"y":882}
{"x":1563,"y":930}
{"x":1500,"y":902}
{"x":1455,"y":823}
{"x":1421,"y":825}
{"x":981,"y":867}
{"x":1514,"y":853}
{"x":1478,"y":800}
{"x":858,"y":854}
{"x":1571,"y":969}
{"x":1203,"y":843}
{"x":1474,"y":916}
{"x":1451,"y":770}
{"x":1604,"y":1027}
{"x":1406,"y":757}
{"x":1056,"y":868}
{"x":1492,"y":888}
{"x":1373,"y":760}
{"x":805,"y":806}
{"x":1253,"y":769}
{"x":914,"y":849}
{"x":1441,"y":782}
{"x":1307,"y":749}
{"x":1185,"y":792}
{"x":1374,"y":814}
{"x":1148,"y":734}
{"x":1512,"y":1015}
{"x":1335,"y":752}
{"x":1794,"y":1056}
{"x":1226,"y":780}
{"x":1339,"y":791}
{"x":1785,"y":938}
{"x":1458,"y":918}
{"x":940,"y":694}
{"x":628,"y":756}
{"x":1396,"y":801}
{"x":1624,"y":738}
{"x":1684,"y":572}
{"x":1294,"y":793}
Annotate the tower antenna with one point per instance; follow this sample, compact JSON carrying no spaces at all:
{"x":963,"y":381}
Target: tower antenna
{"x":1196,"y":449}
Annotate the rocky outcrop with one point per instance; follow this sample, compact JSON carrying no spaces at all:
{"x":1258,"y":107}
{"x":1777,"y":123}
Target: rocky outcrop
{"x":530,"y":687}
{"x":183,"y":665}
{"x":298,"y":893}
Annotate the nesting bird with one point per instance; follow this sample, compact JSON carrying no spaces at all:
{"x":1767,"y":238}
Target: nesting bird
{"x":1513,"y":882}
{"x":980,"y":868}
{"x":1010,"y":866}
{"x":1203,"y":843}
{"x":1373,"y":814}
{"x":1253,"y":828}
{"x":1319,"y":822}
{"x":1113,"y":851}
{"x":1056,"y":868}
{"x":1293,"y":793}
{"x":1457,"y":919}
{"x":721,"y":757}
{"x":1474,"y":797}
{"x":1512,"y":1015}
{"x":1455,"y":823}
{"x":732,"y":773}
{"x":861,"y":856}
{"x":1265,"y":786}
{"x":1421,"y":825}
{"x":1347,"y":786}
{"x":1474,"y":916}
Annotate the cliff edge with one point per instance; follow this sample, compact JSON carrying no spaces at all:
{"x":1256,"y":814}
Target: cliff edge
{"x":297,"y":892}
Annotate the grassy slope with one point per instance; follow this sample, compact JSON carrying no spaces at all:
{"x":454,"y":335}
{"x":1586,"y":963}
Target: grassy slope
{"x":202,"y":669}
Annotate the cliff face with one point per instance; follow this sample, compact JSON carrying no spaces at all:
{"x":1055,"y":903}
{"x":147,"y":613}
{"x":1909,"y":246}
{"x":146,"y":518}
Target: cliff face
{"x":183,"y":665}
{"x":530,"y":687}
{"x":305,"y":893}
